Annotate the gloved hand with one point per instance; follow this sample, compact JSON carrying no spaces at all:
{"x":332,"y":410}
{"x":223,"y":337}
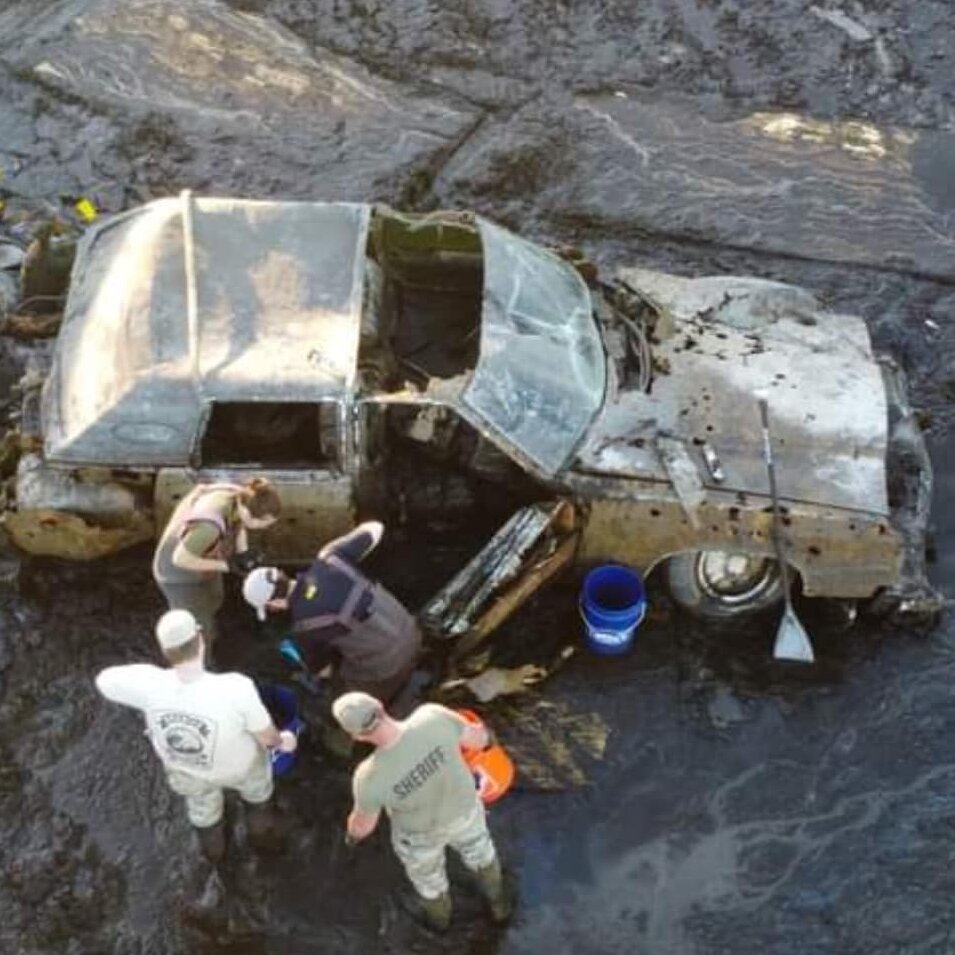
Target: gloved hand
{"x":247,"y":561}
{"x":289,"y":741}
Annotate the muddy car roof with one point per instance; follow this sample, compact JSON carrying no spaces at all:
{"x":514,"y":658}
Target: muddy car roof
{"x":186,"y":300}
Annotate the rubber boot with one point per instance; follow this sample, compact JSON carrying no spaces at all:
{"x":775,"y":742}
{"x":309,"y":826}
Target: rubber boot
{"x":490,"y":881}
{"x":265,"y":831}
{"x":434,"y":914}
{"x":212,"y":841}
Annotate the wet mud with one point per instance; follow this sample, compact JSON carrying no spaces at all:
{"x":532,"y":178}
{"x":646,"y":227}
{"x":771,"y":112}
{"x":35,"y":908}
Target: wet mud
{"x":738,"y":806}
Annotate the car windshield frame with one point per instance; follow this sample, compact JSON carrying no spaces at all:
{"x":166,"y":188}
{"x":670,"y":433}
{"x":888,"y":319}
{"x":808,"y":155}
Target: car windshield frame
{"x":541,"y":373}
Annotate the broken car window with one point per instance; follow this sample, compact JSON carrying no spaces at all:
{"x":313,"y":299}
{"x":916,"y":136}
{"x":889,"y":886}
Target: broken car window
{"x":540,"y":376}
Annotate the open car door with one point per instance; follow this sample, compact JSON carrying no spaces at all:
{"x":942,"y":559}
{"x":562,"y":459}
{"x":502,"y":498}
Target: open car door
{"x":527,"y":551}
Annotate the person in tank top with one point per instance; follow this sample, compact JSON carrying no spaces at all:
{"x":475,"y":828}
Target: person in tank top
{"x":204,"y":539}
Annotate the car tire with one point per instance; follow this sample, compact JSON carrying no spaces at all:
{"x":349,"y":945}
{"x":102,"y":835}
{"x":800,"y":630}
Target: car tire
{"x":715,"y":587}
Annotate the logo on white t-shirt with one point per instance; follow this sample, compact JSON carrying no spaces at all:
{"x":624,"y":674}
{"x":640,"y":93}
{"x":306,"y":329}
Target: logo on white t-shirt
{"x":187,"y":738}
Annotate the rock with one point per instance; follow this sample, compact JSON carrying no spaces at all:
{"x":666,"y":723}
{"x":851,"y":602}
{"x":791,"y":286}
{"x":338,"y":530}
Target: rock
{"x":724,"y":709}
{"x":9,"y":292}
{"x":11,"y":255}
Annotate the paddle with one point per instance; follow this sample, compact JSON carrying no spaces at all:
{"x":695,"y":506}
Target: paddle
{"x":792,"y":641}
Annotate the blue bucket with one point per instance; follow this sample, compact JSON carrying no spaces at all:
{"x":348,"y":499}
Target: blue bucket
{"x":613,"y":601}
{"x":283,"y":708}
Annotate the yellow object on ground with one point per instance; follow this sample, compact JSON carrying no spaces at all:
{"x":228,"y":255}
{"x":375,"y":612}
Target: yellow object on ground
{"x":86,"y":210}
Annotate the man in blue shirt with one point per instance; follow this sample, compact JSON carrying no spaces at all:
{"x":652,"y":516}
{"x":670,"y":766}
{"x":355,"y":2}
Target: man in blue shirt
{"x":341,"y":617}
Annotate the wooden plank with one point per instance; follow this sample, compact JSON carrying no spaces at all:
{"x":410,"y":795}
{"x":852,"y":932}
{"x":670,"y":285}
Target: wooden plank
{"x":512,"y":598}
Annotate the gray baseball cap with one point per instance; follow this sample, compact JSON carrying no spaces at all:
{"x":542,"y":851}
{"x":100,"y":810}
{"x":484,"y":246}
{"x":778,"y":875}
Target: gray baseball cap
{"x":357,"y":713}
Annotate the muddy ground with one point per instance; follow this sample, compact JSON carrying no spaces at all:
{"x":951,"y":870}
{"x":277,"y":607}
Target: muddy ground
{"x":738,"y":807}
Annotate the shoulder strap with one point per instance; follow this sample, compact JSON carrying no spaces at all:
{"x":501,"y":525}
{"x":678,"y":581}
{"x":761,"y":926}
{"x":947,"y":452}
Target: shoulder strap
{"x":344,"y":616}
{"x":201,"y":511}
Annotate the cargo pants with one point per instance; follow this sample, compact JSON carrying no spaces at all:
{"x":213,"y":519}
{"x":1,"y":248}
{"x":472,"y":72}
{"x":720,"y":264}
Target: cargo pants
{"x":422,"y":853}
{"x":205,"y":801}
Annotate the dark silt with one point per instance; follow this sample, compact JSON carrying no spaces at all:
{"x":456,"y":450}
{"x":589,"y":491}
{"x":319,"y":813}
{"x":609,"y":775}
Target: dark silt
{"x":739,"y":807}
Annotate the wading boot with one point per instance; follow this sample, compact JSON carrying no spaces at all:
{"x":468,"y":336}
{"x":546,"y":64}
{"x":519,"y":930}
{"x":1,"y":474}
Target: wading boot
{"x":212,"y":841}
{"x":265,"y":830}
{"x":490,"y":881}
{"x":434,"y":914}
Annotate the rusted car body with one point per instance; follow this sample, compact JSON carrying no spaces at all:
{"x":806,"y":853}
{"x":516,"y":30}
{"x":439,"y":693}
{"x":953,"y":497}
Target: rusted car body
{"x":418,"y":367}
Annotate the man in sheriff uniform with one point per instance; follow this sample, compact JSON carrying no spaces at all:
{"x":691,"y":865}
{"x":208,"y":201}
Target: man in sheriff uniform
{"x":418,"y":776}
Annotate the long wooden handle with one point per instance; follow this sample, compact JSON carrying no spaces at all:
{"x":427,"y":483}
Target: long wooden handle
{"x":774,"y":495}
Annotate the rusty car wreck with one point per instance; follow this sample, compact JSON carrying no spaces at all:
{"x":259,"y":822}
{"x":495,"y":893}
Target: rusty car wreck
{"x":417,"y":367}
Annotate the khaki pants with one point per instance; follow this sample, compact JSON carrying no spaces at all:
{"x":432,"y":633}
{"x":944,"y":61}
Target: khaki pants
{"x":422,"y":853}
{"x":205,"y":801}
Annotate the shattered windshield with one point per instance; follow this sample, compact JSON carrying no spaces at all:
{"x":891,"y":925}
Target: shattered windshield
{"x":540,"y":375}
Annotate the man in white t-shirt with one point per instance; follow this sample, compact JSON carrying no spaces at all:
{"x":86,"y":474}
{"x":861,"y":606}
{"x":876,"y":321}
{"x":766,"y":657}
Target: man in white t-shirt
{"x":210,"y":730}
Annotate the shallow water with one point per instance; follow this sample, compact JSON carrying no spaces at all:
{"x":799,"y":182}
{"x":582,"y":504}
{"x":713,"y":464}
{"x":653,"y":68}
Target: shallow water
{"x":740,"y":806}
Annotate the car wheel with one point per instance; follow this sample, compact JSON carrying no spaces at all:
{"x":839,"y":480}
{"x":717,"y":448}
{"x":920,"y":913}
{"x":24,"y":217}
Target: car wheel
{"x":716,"y":585}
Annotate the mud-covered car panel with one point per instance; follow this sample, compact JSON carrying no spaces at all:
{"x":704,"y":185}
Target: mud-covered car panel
{"x":192,"y":299}
{"x":726,"y":341}
{"x":837,"y":553}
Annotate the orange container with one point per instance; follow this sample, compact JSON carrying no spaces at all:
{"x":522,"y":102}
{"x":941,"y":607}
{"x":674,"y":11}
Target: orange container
{"x":492,"y":768}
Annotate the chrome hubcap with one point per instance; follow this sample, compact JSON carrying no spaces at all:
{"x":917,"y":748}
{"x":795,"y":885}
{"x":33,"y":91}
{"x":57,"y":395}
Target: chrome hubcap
{"x":735,"y":578}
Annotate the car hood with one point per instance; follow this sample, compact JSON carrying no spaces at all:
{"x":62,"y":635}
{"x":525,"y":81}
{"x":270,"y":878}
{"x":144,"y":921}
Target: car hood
{"x":724,"y":342}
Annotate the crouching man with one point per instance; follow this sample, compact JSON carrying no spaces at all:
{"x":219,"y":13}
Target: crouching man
{"x":418,"y":776}
{"x":210,"y":730}
{"x":343,"y":618}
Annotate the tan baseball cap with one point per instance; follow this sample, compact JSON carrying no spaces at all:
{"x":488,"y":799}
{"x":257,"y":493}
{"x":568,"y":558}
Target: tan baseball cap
{"x":357,"y":713}
{"x":175,"y":629}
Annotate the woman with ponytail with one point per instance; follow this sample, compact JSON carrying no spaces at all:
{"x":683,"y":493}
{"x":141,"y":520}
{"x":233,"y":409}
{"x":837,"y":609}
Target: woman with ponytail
{"x":207,"y":537}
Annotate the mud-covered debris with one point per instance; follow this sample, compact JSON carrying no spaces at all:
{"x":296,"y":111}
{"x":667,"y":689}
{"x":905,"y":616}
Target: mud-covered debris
{"x":42,"y":531}
{"x":11,"y":255}
{"x":551,"y":745}
{"x":9,"y":453}
{"x":10,"y":564}
{"x":852,"y":28}
{"x":29,"y":326}
{"x":9,"y":292}
{"x":661,"y":364}
{"x":507,"y":681}
{"x":45,"y":271}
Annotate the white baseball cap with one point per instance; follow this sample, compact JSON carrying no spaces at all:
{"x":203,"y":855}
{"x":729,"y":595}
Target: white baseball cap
{"x":259,"y":588}
{"x":175,"y":629}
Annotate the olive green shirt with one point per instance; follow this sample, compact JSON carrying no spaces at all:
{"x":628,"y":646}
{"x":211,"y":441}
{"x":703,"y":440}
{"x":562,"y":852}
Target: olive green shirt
{"x":203,"y":535}
{"x":421,"y":781}
{"x":197,"y":539}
